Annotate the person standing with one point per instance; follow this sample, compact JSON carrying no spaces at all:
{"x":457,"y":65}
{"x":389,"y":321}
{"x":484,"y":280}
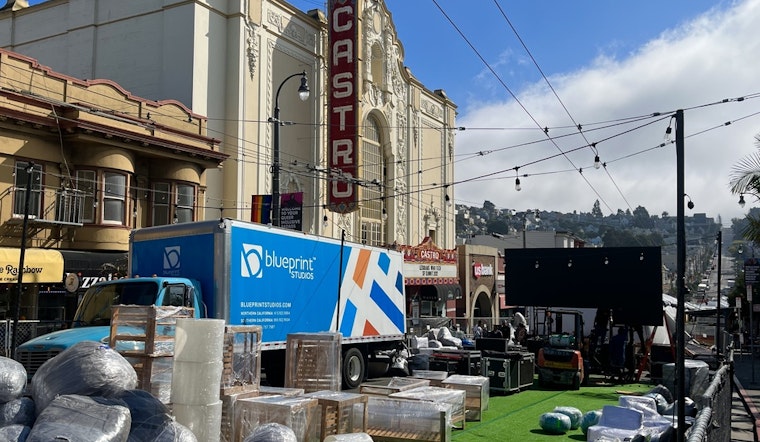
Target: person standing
{"x":477,"y":330}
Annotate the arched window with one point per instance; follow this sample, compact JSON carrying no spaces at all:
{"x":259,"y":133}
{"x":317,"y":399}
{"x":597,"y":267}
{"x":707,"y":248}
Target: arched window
{"x":373,"y":175}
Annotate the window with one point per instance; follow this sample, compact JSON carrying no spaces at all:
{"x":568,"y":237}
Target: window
{"x":21,"y":181}
{"x":161,"y":193}
{"x":373,"y":174}
{"x":86,"y":189}
{"x":114,"y":201}
{"x":185,"y":203}
{"x":173,"y":203}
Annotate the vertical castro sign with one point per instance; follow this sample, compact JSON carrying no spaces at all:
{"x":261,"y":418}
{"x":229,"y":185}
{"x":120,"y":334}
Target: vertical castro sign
{"x":342,"y":106}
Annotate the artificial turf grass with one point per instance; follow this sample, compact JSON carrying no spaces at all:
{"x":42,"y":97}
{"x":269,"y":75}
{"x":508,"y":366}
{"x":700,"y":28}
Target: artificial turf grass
{"x":515,"y":417}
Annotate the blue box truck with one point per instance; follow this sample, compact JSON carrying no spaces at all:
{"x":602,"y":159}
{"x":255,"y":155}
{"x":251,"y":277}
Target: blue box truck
{"x":252,"y":274}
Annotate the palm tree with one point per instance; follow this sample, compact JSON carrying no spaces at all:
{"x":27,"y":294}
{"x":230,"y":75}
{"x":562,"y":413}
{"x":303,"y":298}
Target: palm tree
{"x":745,"y":180}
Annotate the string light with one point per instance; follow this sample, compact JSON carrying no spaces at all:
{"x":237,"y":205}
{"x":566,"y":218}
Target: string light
{"x":517,"y":184}
{"x":597,"y":162}
{"x":741,"y":200}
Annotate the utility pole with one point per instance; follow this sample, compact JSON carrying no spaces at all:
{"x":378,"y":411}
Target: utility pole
{"x":680,"y":279}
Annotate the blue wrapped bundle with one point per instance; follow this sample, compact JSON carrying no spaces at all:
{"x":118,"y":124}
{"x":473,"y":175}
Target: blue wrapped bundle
{"x":573,"y":413}
{"x":554,"y":423}
{"x":590,"y":419}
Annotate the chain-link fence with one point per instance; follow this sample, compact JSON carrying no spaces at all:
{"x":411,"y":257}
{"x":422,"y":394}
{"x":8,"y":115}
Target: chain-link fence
{"x":713,"y":422}
{"x":27,"y":329}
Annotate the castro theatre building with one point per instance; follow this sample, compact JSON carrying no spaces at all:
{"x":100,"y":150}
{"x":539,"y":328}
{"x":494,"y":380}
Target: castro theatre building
{"x":431,"y":281}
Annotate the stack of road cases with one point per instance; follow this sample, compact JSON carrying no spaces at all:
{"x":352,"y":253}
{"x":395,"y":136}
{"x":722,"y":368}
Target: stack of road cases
{"x":145,"y":335}
{"x":456,"y":361}
{"x":340,"y":412}
{"x":476,"y":389}
{"x":510,"y":372}
{"x":312,"y":361}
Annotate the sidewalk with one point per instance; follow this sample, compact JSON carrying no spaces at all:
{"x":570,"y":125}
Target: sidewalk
{"x":745,"y":401}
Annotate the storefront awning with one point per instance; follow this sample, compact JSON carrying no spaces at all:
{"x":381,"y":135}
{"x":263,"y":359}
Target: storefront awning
{"x":40,"y":265}
{"x":440,"y":292}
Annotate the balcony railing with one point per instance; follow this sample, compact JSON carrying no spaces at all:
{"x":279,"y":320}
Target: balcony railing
{"x":66,"y":209}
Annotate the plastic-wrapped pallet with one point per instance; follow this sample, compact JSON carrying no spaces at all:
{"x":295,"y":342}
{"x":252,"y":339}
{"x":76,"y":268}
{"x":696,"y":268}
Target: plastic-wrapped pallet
{"x":298,"y":413}
{"x":87,"y":368}
{"x":12,"y":379}
{"x":340,"y":412}
{"x":395,"y":419}
{"x":696,"y":377}
{"x":75,"y":417}
{"x":616,"y":423}
{"x":477,"y":389}
{"x":312,"y":361}
{"x":453,"y":397}
{"x":652,"y":422}
{"x":392,"y":385}
{"x":349,"y":437}
{"x":271,"y":432}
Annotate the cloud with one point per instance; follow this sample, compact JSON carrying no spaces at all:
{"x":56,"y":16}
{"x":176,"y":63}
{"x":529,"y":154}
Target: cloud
{"x":693,"y":67}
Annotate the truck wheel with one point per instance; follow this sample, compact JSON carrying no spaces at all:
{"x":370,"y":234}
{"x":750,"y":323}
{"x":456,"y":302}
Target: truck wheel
{"x":353,"y":368}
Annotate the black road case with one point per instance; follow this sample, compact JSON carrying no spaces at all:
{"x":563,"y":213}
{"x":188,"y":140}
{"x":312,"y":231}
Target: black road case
{"x":510,"y":373}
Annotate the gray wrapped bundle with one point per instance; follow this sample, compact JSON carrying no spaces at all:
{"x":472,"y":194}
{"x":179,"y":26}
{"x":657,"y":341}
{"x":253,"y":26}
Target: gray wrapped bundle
{"x":17,"y":412}
{"x":14,"y":433}
{"x":12,"y":379}
{"x":150,"y":417}
{"x":74,"y":417}
{"x":88,"y":368}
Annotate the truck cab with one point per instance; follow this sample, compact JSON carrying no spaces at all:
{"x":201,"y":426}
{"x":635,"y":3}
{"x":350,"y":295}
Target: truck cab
{"x":93,"y":316}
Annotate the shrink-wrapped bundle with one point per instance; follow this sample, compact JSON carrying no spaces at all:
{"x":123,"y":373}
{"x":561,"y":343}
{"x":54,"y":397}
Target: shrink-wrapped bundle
{"x":88,"y":368}
{"x":150,"y":417}
{"x":17,"y":412}
{"x":74,"y":417}
{"x":12,"y":379}
{"x":14,"y":433}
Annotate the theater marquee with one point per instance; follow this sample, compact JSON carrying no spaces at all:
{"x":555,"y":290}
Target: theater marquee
{"x":343,"y":102}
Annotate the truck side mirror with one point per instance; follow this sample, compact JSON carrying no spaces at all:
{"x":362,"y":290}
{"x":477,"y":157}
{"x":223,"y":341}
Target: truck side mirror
{"x":189,"y":296}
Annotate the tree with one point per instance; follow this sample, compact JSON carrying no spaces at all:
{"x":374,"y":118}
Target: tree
{"x":487,"y":205}
{"x":596,"y":211}
{"x":641,"y":218}
{"x":745,"y":180}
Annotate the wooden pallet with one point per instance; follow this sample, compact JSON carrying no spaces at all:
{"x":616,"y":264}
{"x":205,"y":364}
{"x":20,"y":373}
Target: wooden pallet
{"x":158,"y":326}
{"x":400,"y":435}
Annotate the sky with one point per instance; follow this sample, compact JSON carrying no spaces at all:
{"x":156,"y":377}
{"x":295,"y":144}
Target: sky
{"x":542,"y":87}
{"x":594,"y":74}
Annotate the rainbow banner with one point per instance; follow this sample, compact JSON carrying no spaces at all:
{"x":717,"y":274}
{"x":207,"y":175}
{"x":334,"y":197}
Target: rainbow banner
{"x":261,"y":209}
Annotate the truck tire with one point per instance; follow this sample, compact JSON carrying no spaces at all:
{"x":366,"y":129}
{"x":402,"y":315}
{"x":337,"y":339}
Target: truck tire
{"x":353,"y":368}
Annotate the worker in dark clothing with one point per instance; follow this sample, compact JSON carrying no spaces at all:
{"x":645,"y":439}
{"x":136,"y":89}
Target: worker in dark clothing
{"x":618,"y":345}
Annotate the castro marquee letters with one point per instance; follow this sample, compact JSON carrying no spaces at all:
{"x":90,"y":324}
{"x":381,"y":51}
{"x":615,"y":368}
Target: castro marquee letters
{"x":343,"y":100}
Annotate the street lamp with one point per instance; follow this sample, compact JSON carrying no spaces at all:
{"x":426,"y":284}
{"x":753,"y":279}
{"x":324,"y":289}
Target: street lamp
{"x":303,"y":94}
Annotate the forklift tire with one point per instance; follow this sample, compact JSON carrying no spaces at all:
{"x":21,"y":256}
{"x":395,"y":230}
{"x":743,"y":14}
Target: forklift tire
{"x":577,"y":381}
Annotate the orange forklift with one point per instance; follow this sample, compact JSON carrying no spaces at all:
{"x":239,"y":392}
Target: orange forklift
{"x":559,"y":360}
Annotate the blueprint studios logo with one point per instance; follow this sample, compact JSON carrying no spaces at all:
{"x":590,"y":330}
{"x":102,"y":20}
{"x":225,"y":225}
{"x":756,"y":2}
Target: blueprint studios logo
{"x":250,"y":261}
{"x":171,"y":258}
